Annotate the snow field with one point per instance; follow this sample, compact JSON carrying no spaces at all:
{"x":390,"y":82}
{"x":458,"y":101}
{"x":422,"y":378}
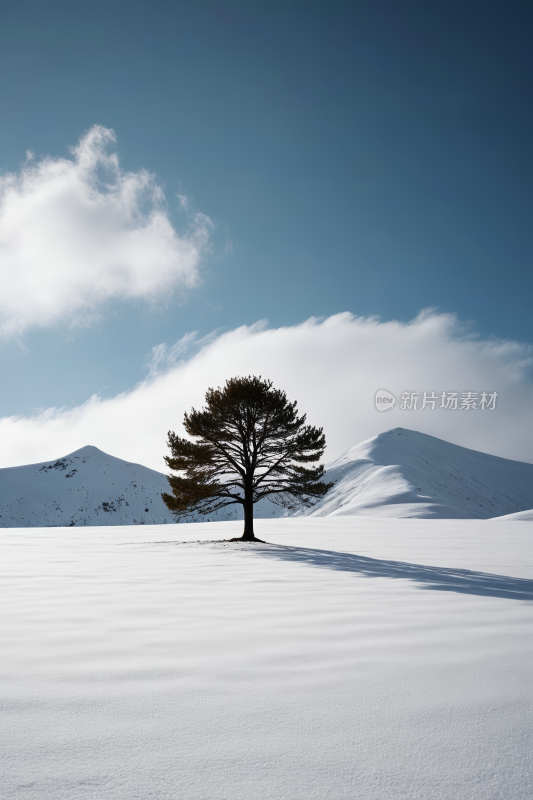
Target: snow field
{"x":349,"y":658}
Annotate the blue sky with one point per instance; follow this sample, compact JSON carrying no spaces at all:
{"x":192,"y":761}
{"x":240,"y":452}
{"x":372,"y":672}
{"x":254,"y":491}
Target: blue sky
{"x":370,"y":157}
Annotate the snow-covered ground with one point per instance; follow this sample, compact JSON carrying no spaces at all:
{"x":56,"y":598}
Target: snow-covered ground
{"x":349,"y":659}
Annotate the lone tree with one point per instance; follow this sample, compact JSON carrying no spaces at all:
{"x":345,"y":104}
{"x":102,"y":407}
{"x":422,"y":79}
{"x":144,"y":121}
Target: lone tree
{"x":250,"y":444}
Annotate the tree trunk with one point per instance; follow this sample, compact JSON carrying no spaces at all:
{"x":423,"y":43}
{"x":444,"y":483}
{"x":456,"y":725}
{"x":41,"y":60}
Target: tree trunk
{"x":248,"y":534}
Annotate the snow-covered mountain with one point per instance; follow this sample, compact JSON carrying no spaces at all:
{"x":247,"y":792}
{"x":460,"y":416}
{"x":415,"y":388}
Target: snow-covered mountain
{"x":90,"y":487}
{"x":87,"y":487}
{"x":403,"y":473}
{"x":400,"y":473}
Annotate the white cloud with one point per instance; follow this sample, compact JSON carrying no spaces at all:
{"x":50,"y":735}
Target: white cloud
{"x":331,"y":367}
{"x":75,"y":233}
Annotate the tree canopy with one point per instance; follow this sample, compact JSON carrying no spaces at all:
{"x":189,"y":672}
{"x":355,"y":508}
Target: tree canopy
{"x":247,"y":443}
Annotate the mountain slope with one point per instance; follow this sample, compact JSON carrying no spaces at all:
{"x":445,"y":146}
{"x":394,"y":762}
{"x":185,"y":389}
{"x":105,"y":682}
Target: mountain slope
{"x":90,"y":487}
{"x":520,"y":516}
{"x":87,"y":487}
{"x":400,"y":473}
{"x":404,"y":473}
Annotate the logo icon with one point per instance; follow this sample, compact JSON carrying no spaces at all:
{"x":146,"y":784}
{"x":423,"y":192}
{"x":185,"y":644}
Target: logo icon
{"x":384,"y":400}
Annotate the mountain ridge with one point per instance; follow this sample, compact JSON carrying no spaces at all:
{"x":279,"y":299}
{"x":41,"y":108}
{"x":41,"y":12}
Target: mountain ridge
{"x":400,"y":473}
{"x":422,"y":476}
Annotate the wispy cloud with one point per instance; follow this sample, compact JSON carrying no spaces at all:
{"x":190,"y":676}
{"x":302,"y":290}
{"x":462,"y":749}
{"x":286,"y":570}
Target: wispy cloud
{"x":162,"y":357}
{"x":77,"y":232}
{"x":332,"y":367}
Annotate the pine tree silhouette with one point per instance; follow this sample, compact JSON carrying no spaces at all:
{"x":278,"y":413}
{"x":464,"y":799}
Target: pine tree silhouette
{"x":250,"y":444}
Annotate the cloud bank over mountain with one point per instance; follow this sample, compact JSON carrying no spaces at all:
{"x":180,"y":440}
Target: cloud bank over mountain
{"x":332,"y":367}
{"x":77,"y":232}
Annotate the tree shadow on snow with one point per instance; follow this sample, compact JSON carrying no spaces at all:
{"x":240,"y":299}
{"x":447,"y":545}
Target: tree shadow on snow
{"x":444,"y":579}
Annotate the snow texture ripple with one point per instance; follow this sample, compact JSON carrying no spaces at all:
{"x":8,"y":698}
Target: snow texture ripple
{"x":348,"y":659}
